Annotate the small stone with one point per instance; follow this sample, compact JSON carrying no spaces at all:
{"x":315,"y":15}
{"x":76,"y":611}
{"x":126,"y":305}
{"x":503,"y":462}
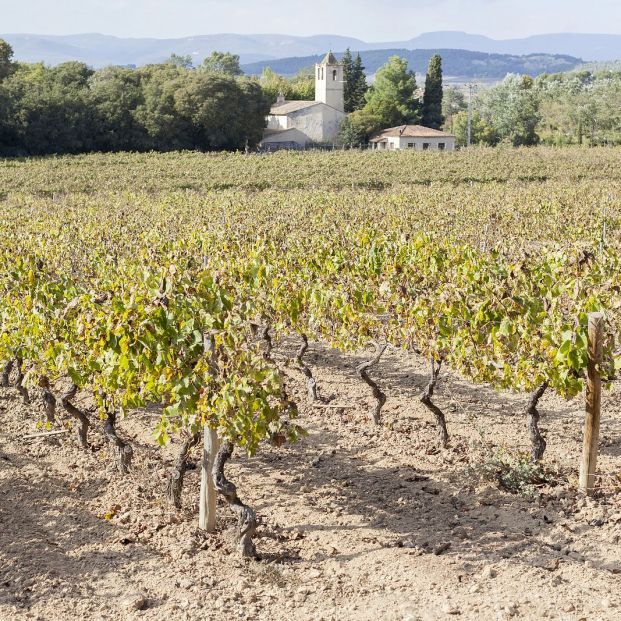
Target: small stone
{"x":488,"y":572}
{"x":569,"y":608}
{"x":442,"y":547}
{"x":135,"y":602}
{"x":475,"y":588}
{"x":449,"y":609}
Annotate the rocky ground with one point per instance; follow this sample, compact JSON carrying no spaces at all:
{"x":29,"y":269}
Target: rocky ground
{"x":357,"y":521}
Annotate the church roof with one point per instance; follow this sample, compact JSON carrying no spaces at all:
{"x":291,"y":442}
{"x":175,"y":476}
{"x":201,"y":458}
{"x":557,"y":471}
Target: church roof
{"x":410,"y":131}
{"x":329,"y":59}
{"x":288,"y":107}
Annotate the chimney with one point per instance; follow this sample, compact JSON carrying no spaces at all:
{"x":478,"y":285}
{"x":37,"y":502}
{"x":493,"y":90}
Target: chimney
{"x":280,"y":99}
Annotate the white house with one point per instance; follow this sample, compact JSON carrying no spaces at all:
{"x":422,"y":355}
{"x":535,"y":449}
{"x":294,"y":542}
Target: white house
{"x":314,"y":121}
{"x":414,"y":137}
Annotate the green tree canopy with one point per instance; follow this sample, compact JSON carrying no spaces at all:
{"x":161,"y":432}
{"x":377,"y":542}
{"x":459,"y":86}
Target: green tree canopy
{"x":432,"y":99}
{"x":115,"y":95}
{"x":300,"y":87}
{"x":51,"y":110}
{"x":223,"y":62}
{"x":512,"y":109}
{"x":482,"y":132}
{"x":580,"y":107}
{"x":7,"y":66}
{"x":453,"y":101}
{"x":392,"y":99}
{"x":70,"y":109}
{"x":357,"y":127}
{"x":177,"y":60}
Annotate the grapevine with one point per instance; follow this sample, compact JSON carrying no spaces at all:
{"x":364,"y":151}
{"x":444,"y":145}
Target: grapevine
{"x":182,"y":300}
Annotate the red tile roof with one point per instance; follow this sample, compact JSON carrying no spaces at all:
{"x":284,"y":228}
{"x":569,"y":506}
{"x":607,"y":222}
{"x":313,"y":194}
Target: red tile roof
{"x":410,"y":131}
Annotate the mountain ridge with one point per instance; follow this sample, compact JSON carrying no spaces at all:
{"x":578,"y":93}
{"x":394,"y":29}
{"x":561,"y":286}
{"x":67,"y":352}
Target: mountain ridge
{"x":459,"y":64}
{"x":98,"y":50}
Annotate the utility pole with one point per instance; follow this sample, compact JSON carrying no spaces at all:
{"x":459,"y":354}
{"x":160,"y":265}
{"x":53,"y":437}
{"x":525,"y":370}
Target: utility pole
{"x":471,"y":89}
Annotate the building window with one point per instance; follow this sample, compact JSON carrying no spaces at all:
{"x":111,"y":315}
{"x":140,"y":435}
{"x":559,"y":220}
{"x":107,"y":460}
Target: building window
{"x":425,"y":146}
{"x":410,"y":145}
{"x":334,"y":75}
{"x":319,"y":73}
{"x":441,"y":146}
{"x":322,"y":73}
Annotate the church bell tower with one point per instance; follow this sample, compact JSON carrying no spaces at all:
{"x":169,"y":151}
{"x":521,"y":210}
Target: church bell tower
{"x":330,"y":83}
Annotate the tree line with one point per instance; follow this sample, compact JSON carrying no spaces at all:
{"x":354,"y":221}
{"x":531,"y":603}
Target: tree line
{"x":580,"y":107}
{"x":70,"y":108}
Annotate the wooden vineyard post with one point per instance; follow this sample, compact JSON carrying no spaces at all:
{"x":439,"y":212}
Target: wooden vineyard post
{"x":593,"y":404}
{"x":207,"y":508}
{"x":211,"y":445}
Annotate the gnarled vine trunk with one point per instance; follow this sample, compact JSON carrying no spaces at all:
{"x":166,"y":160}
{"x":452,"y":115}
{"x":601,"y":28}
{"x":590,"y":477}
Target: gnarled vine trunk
{"x":6,"y":374}
{"x":19,"y":381}
{"x":83,"y":422}
{"x":538,"y":444}
{"x":267,"y":339}
{"x":426,"y":400}
{"x":247,"y":519}
{"x":49,"y":400}
{"x":175,"y":481}
{"x":311,"y":384}
{"x":379,"y":396}
{"x":123,"y":450}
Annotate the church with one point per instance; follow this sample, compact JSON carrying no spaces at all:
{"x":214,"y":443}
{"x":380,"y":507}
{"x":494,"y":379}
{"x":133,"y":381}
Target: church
{"x":295,"y":124}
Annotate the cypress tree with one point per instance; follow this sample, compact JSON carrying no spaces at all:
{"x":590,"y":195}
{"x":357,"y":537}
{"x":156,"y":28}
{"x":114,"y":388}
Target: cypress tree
{"x":355,"y":82}
{"x":360,"y":86}
{"x":348,"y":76}
{"x":432,"y":99}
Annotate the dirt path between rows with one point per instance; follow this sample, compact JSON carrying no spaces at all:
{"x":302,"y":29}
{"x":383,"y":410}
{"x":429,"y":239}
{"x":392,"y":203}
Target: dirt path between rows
{"x":357,"y":522}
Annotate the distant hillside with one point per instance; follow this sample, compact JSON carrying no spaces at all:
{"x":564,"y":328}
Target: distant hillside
{"x":456,"y":63}
{"x":588,"y":46}
{"x":98,"y":50}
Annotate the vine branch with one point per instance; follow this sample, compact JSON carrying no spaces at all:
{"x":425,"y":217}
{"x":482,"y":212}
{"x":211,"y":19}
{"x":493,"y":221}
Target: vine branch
{"x":426,"y":400}
{"x":247,"y":519}
{"x":378,"y":395}
{"x":538,"y":444}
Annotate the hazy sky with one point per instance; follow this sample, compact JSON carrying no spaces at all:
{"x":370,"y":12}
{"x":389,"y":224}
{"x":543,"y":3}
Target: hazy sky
{"x":371,"y":20}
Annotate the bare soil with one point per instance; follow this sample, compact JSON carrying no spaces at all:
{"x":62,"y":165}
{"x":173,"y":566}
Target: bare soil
{"x":356,"y":521}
